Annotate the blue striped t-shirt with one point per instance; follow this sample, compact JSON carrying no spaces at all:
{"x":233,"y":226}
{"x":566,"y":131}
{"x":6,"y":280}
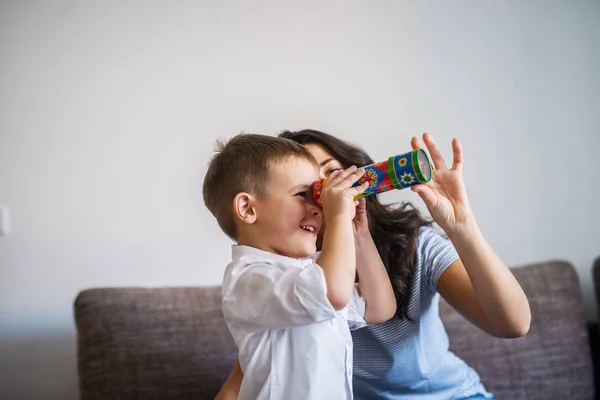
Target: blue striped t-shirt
{"x":407,"y":360}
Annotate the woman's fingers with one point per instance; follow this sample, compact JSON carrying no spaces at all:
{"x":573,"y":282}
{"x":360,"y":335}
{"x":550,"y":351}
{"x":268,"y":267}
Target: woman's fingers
{"x":427,"y":195}
{"x":362,"y":204}
{"x":457,"y":155}
{"x":434,"y":151}
{"x":436,"y":155}
{"x":416,"y":143}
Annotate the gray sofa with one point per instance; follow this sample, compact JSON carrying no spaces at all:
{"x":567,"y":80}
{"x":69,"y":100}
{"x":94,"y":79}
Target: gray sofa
{"x":172,"y":343}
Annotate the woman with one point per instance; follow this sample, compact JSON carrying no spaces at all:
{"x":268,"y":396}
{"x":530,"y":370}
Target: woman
{"x":408,"y":357}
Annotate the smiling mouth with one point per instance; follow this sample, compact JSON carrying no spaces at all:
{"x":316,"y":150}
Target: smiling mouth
{"x":309,"y":228}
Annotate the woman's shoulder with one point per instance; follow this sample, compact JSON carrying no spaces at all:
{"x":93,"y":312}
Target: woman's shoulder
{"x":427,"y":235}
{"x":434,"y":254}
{"x":427,"y":230}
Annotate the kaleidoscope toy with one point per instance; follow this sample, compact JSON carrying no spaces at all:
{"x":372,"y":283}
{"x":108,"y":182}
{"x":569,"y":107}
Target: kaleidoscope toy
{"x":397,"y":172}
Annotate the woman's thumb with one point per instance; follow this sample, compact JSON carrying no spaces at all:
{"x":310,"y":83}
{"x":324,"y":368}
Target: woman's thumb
{"x":426,"y":194}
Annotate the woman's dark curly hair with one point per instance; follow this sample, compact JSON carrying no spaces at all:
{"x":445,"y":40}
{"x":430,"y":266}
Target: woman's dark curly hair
{"x":394,"y":228}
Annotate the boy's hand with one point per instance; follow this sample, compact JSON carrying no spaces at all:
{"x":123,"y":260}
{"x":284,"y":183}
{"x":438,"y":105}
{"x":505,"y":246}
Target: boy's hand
{"x":338,"y":194}
{"x":445,"y":195}
{"x":338,"y":254}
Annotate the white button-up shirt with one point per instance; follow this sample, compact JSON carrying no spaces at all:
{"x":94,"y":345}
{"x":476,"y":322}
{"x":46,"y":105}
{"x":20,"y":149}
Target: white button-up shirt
{"x":292,"y":343}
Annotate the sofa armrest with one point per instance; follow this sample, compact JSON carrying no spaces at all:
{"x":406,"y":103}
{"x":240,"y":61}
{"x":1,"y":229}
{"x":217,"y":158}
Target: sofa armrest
{"x":596,"y":272}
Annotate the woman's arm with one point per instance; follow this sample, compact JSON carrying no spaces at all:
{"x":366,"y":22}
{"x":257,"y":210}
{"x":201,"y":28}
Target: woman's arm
{"x":231,"y":388}
{"x":483,"y":289}
{"x":479,"y":285}
{"x":373,"y":279}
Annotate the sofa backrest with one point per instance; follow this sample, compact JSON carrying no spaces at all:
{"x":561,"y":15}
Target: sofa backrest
{"x":159,"y":343}
{"x":172,"y":343}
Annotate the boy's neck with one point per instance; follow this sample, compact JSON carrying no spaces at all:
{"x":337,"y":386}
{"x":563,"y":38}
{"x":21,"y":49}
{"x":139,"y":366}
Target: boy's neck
{"x":248,"y":239}
{"x":252,"y":243}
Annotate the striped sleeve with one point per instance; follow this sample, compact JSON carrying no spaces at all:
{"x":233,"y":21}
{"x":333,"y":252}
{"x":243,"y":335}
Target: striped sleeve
{"x":435,"y":254}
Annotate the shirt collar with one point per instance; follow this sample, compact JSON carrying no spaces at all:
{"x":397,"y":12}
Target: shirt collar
{"x":241,"y":251}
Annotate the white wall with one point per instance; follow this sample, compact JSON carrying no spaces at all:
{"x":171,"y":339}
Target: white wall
{"x":109,"y":110}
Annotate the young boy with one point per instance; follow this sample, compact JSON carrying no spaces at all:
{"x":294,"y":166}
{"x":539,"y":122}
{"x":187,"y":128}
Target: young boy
{"x":288,"y":307}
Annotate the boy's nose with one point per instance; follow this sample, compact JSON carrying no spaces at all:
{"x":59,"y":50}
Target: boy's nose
{"x":314,"y":209}
{"x":317,"y":212}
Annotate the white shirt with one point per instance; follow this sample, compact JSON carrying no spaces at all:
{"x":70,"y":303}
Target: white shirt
{"x":292,"y":343}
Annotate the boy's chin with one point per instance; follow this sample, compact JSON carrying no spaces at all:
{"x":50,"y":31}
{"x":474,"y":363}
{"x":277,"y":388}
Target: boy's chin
{"x":307,"y":251}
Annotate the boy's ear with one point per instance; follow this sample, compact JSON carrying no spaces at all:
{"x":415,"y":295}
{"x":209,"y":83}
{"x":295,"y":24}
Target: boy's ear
{"x":244,"y":208}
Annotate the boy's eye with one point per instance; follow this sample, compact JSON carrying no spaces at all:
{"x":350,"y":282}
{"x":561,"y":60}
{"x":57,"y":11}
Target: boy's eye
{"x":302,"y":194}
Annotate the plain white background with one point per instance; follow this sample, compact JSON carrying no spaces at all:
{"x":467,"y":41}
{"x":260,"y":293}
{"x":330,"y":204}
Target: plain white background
{"x":109,"y":111}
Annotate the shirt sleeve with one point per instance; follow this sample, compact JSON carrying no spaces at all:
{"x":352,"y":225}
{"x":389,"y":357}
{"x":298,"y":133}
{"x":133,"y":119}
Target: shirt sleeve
{"x":262,"y":296}
{"x":356,"y":310}
{"x":435,"y":254}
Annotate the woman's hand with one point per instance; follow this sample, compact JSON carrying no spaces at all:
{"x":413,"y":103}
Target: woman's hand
{"x":361,"y":220}
{"x":479,"y":284}
{"x":445,"y":195}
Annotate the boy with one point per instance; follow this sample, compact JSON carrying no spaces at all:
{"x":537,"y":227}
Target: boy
{"x":287,"y":307}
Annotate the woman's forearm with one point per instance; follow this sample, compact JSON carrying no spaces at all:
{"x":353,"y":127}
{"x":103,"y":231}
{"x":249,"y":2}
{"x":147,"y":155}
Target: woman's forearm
{"x":498,"y":292}
{"x":231,"y":387}
{"x":374,"y":282}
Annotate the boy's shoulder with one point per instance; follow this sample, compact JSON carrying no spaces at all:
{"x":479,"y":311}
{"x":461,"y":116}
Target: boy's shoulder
{"x":244,"y":257}
{"x":250,"y":255}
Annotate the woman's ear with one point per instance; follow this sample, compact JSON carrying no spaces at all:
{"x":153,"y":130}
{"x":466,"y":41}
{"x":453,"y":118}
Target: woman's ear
{"x":244,"y":208}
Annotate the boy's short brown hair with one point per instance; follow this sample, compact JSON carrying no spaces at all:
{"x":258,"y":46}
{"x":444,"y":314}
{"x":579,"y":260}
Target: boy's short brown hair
{"x":244,"y":164}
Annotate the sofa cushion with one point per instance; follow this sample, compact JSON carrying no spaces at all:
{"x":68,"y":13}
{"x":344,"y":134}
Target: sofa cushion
{"x":553,"y":361}
{"x":159,"y":343}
